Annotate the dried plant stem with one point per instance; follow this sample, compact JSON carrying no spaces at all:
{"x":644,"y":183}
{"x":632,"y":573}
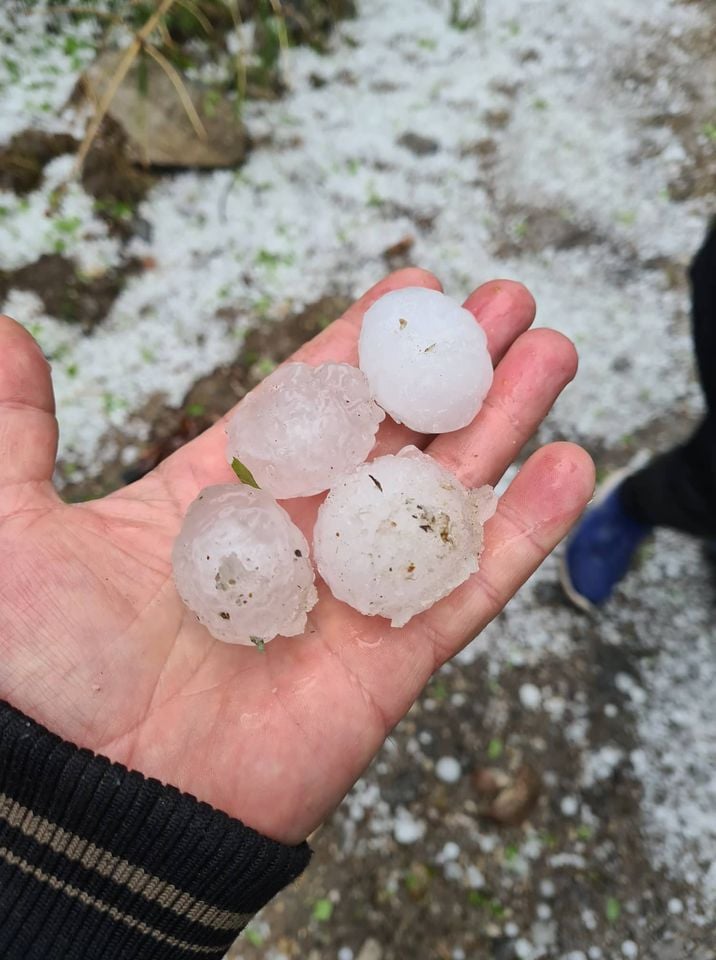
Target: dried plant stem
{"x":115,"y":82}
{"x":180,"y":88}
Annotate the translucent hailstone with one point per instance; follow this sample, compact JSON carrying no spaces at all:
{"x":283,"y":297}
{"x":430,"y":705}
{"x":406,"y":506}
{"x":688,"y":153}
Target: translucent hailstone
{"x":398,"y":534}
{"x":426,"y":359}
{"x":304,"y":427}
{"x":242,"y":566}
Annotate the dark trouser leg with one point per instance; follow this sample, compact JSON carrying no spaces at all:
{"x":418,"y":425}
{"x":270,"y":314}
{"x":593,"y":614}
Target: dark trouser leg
{"x":678,"y":489}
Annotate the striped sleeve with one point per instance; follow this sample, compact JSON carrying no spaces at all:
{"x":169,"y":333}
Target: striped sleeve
{"x":100,"y":863}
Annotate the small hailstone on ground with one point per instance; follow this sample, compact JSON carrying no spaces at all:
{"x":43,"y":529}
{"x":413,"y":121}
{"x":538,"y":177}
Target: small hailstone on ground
{"x":426,"y":359}
{"x":406,"y":828}
{"x":448,"y":770}
{"x":547,"y":888}
{"x":530,"y":696}
{"x":569,"y":806}
{"x":450,"y":851}
{"x":630,"y":949}
{"x":241,"y":564}
{"x":398,"y":534}
{"x":304,"y":427}
{"x":675,"y":906}
{"x":523,"y":949}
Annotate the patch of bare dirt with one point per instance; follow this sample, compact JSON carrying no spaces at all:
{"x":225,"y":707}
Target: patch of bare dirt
{"x":24,"y":158}
{"x":67,"y":294}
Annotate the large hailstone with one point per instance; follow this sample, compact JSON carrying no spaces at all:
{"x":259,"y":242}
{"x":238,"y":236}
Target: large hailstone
{"x":304,"y":427}
{"x":242,"y":566}
{"x":426,"y":359}
{"x":398,"y":534}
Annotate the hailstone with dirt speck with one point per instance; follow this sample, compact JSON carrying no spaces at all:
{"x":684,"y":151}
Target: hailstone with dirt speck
{"x":242,"y":566}
{"x":304,"y":427}
{"x":426,"y":359}
{"x":398,"y":534}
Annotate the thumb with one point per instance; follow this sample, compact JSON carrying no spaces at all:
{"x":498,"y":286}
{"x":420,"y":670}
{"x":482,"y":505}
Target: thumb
{"x":28,"y":429}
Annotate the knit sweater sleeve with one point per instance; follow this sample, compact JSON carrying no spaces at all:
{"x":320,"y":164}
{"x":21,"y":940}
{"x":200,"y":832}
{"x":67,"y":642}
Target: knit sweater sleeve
{"x":98,"y":862}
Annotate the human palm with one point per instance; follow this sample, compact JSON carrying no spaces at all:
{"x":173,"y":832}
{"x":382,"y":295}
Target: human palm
{"x":96,"y":644}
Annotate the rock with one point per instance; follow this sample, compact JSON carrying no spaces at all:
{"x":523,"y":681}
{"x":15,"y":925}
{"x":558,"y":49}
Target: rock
{"x":419,"y":145}
{"x":371,"y":950}
{"x":507,"y":799}
{"x":488,"y":781}
{"x":152,"y":116}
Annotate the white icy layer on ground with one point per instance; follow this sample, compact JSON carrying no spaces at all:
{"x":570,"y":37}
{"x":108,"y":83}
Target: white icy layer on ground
{"x":570,"y":89}
{"x":313,"y":210}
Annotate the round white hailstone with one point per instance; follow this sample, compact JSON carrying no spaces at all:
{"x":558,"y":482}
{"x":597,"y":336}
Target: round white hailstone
{"x":530,"y":696}
{"x":448,"y":770}
{"x":242,"y":566}
{"x":304,"y":427}
{"x":406,"y":829}
{"x":630,"y":949}
{"x":398,"y":534}
{"x":450,"y":851}
{"x":523,"y":949}
{"x":426,"y":359}
{"x":547,"y":888}
{"x":675,"y":906}
{"x":569,"y":806}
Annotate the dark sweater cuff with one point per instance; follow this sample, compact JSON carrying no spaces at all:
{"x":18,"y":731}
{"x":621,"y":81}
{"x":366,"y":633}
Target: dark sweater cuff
{"x":100,"y":863}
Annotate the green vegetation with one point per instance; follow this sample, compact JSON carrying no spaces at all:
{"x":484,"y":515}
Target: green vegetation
{"x":322,"y":910}
{"x":495,"y":748}
{"x":612,"y":909}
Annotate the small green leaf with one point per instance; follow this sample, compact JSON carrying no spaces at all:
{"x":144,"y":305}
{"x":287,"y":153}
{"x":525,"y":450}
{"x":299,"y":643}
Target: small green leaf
{"x":477,"y":899}
{"x":439,"y":690}
{"x":258,"y":643}
{"x":494,"y":749}
{"x":585,"y":832}
{"x":322,"y":910}
{"x":195,"y":410}
{"x":243,"y":473}
{"x":613,"y":909}
{"x":511,"y":852}
{"x":253,"y":936}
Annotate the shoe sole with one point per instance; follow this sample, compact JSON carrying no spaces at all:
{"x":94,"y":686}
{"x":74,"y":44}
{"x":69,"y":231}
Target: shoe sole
{"x":583,"y":603}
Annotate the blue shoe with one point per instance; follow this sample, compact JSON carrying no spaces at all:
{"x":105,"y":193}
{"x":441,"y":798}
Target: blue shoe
{"x":600,"y":549}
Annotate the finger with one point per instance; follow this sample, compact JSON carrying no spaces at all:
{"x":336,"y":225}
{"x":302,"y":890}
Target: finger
{"x":504,"y":309}
{"x":534,"y":371}
{"x":28,"y":429}
{"x":535,"y":513}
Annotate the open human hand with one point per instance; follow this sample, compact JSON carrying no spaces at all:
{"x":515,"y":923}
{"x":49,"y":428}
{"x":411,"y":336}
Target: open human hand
{"x":96,"y":644}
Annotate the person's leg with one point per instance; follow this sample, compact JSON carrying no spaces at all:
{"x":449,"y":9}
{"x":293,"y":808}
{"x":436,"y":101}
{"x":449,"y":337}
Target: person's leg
{"x":703,"y":293}
{"x":677,"y":489}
